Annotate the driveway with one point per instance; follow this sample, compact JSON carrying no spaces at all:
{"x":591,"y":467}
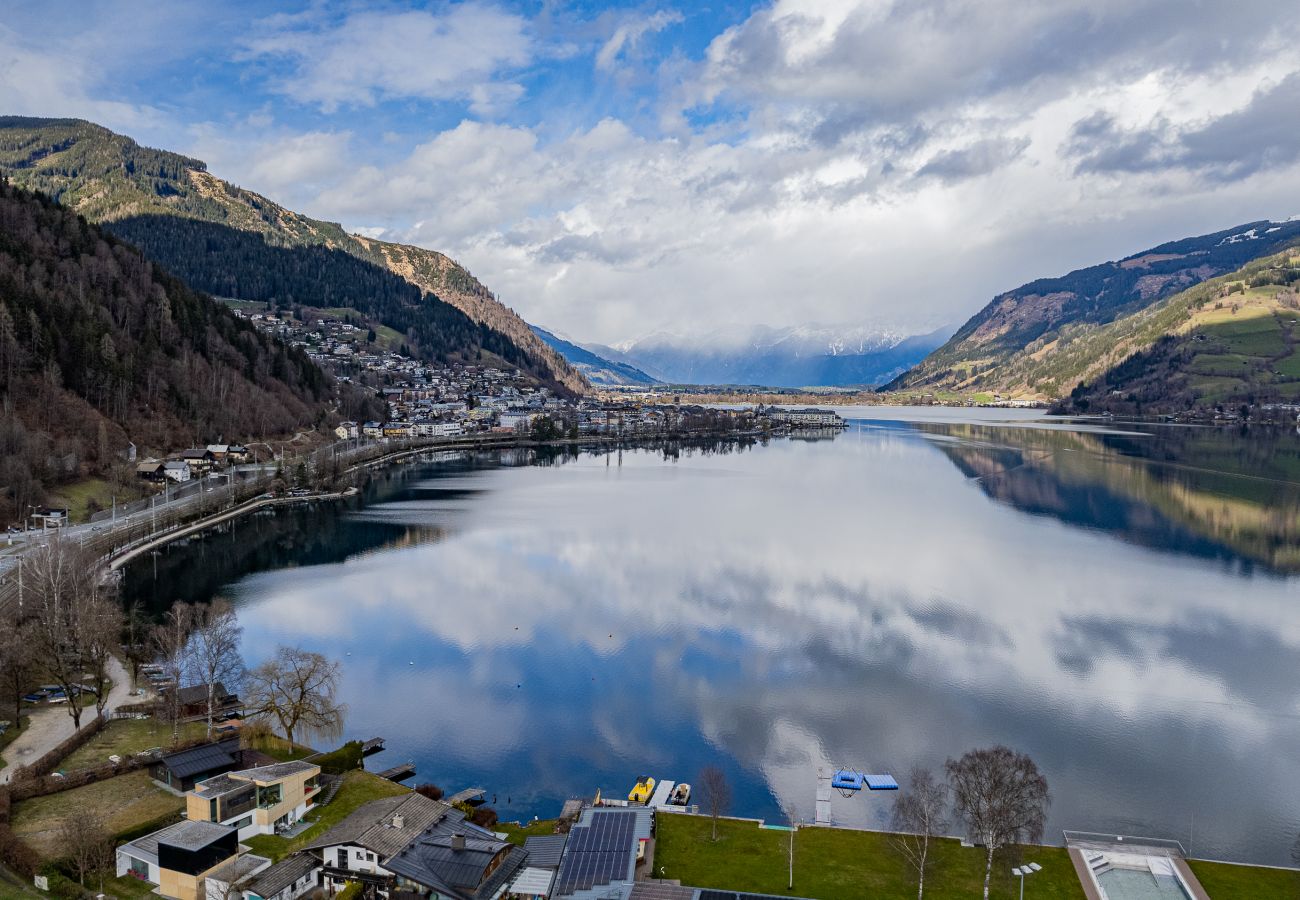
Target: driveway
{"x":51,"y":725}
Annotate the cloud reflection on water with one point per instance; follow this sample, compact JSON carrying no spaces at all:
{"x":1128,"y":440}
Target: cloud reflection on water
{"x":852,"y":602}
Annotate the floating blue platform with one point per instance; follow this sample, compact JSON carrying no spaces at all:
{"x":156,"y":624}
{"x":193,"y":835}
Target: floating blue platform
{"x":848,"y":780}
{"x":880,"y":782}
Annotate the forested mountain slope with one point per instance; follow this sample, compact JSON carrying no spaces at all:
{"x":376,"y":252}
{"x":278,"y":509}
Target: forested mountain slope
{"x":100,"y":348}
{"x":1229,"y":342}
{"x":235,"y":243}
{"x":1021,"y":342}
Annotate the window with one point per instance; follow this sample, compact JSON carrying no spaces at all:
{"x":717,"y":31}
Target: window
{"x":268,"y":796}
{"x":242,"y":823}
{"x":139,"y":869}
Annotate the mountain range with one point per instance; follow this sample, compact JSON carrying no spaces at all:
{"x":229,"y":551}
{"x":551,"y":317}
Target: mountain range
{"x":234,"y":243}
{"x":1046,"y":337}
{"x":792,"y":357}
{"x":597,"y":369}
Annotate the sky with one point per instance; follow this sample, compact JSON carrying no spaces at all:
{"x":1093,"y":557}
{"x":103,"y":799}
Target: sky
{"x":614,"y":170}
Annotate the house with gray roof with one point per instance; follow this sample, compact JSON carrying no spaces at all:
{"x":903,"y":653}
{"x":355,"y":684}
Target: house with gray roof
{"x":250,"y":877}
{"x":415,"y":845}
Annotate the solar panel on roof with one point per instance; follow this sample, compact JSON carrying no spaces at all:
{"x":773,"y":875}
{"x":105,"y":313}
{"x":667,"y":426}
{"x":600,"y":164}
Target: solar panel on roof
{"x":599,"y":852}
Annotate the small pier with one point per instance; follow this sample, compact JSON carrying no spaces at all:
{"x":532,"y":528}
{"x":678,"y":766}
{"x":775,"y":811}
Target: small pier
{"x":372,"y":746}
{"x":398,"y":773}
{"x":472,"y":796}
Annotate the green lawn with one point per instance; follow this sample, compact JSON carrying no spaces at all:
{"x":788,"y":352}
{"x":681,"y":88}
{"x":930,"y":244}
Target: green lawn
{"x":1231,"y":364}
{"x":122,"y":803}
{"x":516,"y":833}
{"x":831,"y":864}
{"x":358,"y":787}
{"x":1289,"y":366}
{"x":123,"y":737}
{"x":279,"y":748}
{"x":1259,"y":335}
{"x":78,"y":496}
{"x":1225,"y":880}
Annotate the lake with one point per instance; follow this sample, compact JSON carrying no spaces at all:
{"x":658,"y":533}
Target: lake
{"x":1122,"y":602}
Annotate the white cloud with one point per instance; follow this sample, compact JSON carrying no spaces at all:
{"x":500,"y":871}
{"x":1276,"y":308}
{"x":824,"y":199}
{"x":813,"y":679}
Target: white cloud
{"x":456,"y":54}
{"x":627,"y":35}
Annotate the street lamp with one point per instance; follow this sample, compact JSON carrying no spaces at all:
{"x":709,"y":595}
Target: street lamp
{"x":1022,"y":871}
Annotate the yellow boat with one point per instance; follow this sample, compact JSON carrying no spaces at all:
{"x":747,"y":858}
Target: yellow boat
{"x":645,"y":786}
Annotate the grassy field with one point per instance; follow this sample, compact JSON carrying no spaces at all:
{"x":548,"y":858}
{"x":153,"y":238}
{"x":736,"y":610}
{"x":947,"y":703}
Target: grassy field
{"x":124,"y":737}
{"x":358,"y":788}
{"x":121,"y":803}
{"x":277,"y":747}
{"x":836,"y":864}
{"x":516,"y":833}
{"x":1224,"y":880}
{"x":79,"y":495}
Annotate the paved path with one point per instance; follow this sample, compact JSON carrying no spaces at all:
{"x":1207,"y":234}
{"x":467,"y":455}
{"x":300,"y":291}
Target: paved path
{"x":51,"y":725}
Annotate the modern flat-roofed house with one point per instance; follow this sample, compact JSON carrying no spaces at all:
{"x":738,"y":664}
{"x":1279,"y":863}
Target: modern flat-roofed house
{"x":256,"y":801}
{"x":179,"y":857}
{"x":226,"y":881}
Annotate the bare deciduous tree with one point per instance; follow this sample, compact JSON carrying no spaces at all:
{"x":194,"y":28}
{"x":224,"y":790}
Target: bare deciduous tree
{"x":918,"y":817}
{"x":102,"y":634}
{"x":17,"y":661}
{"x":299,"y":689}
{"x":170,"y":641}
{"x":1002,"y":798}
{"x":212,"y":653}
{"x":88,"y":845}
{"x":69,"y":610}
{"x":717,"y":793}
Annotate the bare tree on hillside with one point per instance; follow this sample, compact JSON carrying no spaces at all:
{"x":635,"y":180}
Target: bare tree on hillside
{"x":717,"y":794}
{"x":918,"y":817}
{"x":299,"y":689}
{"x":212,"y":653}
{"x":1002,"y":798}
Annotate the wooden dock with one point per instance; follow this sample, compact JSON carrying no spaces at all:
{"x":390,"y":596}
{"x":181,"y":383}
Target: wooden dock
{"x":398,"y":773}
{"x":472,"y":796}
{"x":374,"y":745}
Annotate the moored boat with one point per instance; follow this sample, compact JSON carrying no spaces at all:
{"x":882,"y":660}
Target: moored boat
{"x":645,"y":786}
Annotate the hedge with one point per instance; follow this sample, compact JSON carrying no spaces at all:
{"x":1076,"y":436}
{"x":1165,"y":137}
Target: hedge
{"x":50,"y":761}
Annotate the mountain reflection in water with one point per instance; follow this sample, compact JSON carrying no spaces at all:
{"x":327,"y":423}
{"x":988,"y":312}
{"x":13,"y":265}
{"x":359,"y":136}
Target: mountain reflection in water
{"x":1118,"y":603}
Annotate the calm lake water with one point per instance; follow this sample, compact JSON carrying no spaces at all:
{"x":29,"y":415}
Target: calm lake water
{"x":1120,"y":602}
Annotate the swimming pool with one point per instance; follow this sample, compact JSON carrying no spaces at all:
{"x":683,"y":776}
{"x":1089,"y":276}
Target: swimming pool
{"x":1138,"y":884}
